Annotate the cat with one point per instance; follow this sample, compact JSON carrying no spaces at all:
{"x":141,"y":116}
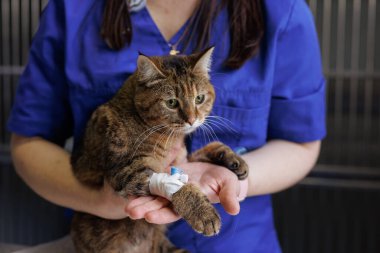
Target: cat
{"x":128,"y":138}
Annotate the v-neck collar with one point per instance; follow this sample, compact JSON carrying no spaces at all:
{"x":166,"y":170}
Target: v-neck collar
{"x":161,"y":39}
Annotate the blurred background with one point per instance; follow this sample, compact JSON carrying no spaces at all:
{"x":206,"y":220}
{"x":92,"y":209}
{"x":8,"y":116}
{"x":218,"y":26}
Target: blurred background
{"x":335,"y":209}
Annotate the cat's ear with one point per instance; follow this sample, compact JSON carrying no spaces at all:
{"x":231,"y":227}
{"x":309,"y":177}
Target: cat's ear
{"x":147,"y":68}
{"x":203,"y":62}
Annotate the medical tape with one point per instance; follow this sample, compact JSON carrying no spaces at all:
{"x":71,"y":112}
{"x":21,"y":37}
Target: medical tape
{"x":165,"y":185}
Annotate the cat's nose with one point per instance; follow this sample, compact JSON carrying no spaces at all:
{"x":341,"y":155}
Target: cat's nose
{"x":191,"y":120}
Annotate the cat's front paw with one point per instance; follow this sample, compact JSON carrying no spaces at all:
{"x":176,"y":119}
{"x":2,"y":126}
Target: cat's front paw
{"x":233,"y":162}
{"x":190,"y":203}
{"x":205,"y":220}
{"x":223,"y":155}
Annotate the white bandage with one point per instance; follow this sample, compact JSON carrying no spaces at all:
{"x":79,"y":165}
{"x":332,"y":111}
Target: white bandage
{"x":165,"y":185}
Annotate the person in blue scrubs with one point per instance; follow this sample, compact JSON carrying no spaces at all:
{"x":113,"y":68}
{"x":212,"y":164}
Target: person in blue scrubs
{"x":274,"y":102}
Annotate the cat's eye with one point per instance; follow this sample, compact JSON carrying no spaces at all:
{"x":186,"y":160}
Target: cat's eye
{"x":172,"y":103}
{"x":199,"y":99}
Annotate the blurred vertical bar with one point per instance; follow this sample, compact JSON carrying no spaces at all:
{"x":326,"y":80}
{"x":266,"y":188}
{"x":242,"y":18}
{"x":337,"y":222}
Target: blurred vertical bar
{"x":30,"y":28}
{"x":6,"y":59}
{"x":339,"y":70}
{"x":326,"y":33}
{"x":14,"y":45}
{"x":1,"y":64}
{"x":370,"y":60}
{"x":15,"y":32}
{"x":354,"y":68}
{"x":377,"y":69}
{"x":35,"y":13}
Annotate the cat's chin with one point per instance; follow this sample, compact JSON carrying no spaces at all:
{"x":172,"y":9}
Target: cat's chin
{"x":189,"y":130}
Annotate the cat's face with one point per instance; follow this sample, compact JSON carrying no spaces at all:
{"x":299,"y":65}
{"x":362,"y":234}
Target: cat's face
{"x":174,"y":92}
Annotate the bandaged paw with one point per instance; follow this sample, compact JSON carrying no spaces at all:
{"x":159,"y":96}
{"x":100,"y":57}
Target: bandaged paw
{"x":165,"y":185}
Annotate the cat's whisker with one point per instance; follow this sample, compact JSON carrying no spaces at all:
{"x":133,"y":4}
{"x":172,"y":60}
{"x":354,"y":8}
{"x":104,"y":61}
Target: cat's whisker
{"x":205,"y":136}
{"x":213,"y":123}
{"x":207,"y":132}
{"x":222,"y":119}
{"x":222,"y":122}
{"x":200,"y":128}
{"x":152,"y":130}
{"x":167,"y":140}
{"x":174,"y":137}
{"x":203,"y":133}
{"x":148,"y":130}
{"x":210,"y":133}
{"x":213,"y":135}
{"x":222,"y":126}
{"x":159,"y":139}
{"x":156,"y":143}
{"x":148,"y":133}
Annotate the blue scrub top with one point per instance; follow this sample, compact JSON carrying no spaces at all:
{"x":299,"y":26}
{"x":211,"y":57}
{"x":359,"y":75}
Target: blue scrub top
{"x":278,"y":94}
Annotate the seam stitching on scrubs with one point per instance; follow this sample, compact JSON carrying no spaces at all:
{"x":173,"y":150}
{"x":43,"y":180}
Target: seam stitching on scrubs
{"x":288,"y":20}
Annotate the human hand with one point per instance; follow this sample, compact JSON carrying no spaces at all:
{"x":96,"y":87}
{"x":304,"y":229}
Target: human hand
{"x":153,"y":209}
{"x":218,"y":183}
{"x":109,"y":205}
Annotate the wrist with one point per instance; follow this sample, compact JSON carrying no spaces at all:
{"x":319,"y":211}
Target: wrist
{"x":90,"y":201}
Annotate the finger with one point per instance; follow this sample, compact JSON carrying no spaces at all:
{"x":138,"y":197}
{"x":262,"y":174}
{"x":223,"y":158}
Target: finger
{"x":228,"y":197}
{"x":139,"y":211}
{"x":137,"y":201}
{"x":211,"y":194}
{"x":162,"y":216}
{"x":243,"y":189}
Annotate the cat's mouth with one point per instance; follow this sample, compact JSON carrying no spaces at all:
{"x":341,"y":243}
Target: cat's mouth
{"x":189,"y":128}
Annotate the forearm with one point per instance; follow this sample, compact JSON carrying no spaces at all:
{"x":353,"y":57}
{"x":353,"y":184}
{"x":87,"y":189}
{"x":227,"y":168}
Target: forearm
{"x":279,"y":164}
{"x":46,"y":168}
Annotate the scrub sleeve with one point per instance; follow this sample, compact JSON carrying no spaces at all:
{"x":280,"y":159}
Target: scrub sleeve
{"x":298,"y":93}
{"x":41,"y":106}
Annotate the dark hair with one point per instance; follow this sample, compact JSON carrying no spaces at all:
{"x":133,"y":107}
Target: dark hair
{"x":246,"y":24}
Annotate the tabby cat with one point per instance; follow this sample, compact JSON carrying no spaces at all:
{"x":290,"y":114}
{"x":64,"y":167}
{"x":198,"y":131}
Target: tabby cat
{"x":128,"y":138}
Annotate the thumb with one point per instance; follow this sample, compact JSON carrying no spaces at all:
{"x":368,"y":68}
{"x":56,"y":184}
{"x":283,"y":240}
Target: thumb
{"x":228,"y":196}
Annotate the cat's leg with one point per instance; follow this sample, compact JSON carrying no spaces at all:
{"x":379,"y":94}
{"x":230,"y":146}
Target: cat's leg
{"x":220,"y":154}
{"x":191,"y":204}
{"x":132,"y":180}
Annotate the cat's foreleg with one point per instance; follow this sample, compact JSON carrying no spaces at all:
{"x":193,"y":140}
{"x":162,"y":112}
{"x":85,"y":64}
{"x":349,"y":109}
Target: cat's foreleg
{"x":189,"y":202}
{"x":131,"y":180}
{"x":220,"y":154}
